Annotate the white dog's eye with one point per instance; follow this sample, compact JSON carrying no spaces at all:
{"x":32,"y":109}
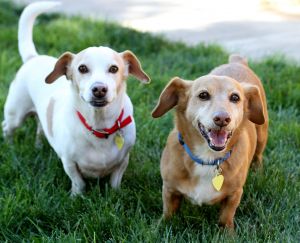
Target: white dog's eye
{"x":113,"y":69}
{"x":83,"y":69}
{"x":234,"y":98}
{"x":204,"y":95}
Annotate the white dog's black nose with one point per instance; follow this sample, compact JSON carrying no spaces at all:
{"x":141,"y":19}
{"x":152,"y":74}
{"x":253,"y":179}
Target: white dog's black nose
{"x":99,"y":90}
{"x":221,"y":118}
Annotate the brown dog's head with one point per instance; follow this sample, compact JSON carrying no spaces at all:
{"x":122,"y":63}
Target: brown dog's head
{"x":215,"y":106}
{"x":98,"y":73}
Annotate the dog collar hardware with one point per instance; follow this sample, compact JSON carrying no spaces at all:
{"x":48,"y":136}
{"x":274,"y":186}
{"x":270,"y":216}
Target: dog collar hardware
{"x":104,"y":133}
{"x":216,"y":162}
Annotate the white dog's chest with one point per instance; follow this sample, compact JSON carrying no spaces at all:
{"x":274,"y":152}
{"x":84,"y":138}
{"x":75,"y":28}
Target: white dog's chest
{"x":93,"y":156}
{"x":101,"y":158}
{"x":203,"y":191}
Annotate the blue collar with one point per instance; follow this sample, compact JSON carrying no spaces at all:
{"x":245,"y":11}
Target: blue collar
{"x":198,"y":160}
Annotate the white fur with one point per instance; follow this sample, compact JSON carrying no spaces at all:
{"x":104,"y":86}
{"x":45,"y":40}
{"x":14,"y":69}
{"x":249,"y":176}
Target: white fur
{"x":26,"y":45}
{"x":204,"y":191}
{"x":82,"y":154}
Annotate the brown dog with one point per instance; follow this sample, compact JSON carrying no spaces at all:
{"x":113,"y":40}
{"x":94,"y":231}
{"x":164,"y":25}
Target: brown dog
{"x":221,"y":124}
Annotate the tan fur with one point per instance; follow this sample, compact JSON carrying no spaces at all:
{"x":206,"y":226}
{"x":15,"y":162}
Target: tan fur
{"x":134,"y":68}
{"x":61,"y":67}
{"x":181,"y":175}
{"x":121,"y":84}
{"x":242,"y":73}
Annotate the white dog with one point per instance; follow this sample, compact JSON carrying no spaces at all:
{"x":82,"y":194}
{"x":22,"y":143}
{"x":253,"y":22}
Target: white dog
{"x":81,"y":102}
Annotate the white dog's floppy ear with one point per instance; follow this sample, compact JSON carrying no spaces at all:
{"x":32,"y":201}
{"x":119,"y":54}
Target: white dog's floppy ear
{"x":61,"y":67}
{"x":255,"y":105}
{"x":134,"y":66}
{"x":170,"y":96}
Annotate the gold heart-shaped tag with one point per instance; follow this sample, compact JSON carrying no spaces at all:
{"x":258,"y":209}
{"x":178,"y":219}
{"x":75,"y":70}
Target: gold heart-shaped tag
{"x":119,"y":141}
{"x":217,"y":182}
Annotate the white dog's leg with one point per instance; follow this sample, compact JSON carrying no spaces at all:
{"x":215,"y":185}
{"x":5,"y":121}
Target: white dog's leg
{"x":116,"y":176}
{"x":39,"y":134}
{"x":17,"y":106}
{"x":78,"y":184}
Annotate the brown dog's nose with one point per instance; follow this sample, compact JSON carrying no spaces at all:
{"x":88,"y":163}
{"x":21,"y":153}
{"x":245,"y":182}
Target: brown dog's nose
{"x":221,"y":118}
{"x":99,"y":90}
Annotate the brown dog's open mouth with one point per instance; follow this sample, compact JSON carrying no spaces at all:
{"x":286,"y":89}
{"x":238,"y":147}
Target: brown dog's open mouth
{"x":216,"y":139}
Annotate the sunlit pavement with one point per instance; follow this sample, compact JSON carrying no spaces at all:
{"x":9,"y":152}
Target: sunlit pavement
{"x":244,"y":26}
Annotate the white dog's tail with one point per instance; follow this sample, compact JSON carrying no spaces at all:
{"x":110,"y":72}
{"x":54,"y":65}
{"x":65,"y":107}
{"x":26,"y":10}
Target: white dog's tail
{"x":26,"y":45}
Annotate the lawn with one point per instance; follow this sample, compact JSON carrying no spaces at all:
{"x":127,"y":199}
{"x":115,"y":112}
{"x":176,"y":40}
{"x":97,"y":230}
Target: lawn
{"x":34,"y":190}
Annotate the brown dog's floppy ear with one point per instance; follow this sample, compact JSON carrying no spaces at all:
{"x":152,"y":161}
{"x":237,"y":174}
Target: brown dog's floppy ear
{"x":134,"y":66}
{"x":170,"y":96}
{"x":255,"y":104}
{"x":60,"y":68}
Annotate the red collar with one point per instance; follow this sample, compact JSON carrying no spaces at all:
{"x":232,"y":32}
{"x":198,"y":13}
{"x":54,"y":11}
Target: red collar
{"x":104,"y":133}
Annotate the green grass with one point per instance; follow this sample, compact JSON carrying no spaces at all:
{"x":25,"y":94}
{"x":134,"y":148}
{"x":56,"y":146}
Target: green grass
{"x":34,"y":190}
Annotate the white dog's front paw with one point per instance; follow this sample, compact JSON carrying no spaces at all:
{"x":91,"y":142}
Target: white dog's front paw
{"x":115,"y":181}
{"x":7,"y":133}
{"x":4,"y":129}
{"x":77,"y":190}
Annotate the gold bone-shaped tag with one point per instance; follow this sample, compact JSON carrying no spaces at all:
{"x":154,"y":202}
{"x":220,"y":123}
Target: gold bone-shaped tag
{"x":217,"y":181}
{"x":119,"y":141}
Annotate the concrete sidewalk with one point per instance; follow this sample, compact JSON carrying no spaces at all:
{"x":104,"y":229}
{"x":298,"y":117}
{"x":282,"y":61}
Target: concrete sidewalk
{"x":243,"y":26}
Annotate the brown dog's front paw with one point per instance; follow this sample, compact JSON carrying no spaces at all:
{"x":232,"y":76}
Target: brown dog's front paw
{"x":227,"y":225}
{"x":167,"y":215}
{"x":257,"y":163}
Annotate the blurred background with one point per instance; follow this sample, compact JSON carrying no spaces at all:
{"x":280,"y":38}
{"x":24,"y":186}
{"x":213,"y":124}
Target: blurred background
{"x":254,"y":28}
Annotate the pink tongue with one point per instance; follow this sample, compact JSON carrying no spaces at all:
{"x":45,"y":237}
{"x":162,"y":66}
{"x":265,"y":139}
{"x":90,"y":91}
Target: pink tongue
{"x":218,"y":138}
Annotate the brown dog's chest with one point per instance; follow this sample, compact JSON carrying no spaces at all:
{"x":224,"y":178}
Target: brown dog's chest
{"x":200,"y":190}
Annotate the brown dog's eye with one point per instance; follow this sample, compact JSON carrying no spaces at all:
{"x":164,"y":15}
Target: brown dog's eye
{"x":83,"y":69}
{"x":204,"y":95}
{"x":234,"y":98}
{"x":113,"y":69}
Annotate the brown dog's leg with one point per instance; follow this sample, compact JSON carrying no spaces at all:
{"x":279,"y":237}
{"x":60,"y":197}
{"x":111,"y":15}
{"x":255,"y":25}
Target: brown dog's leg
{"x":171,"y":201}
{"x":262,"y":136}
{"x":228,"y":208}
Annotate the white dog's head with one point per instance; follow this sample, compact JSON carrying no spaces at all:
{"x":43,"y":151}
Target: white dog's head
{"x":98,"y":73}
